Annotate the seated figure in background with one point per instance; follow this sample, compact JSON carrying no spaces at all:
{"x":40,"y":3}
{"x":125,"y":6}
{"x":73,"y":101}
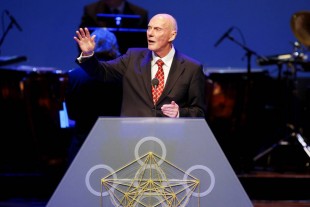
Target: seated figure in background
{"x":125,"y":39}
{"x":88,"y":98}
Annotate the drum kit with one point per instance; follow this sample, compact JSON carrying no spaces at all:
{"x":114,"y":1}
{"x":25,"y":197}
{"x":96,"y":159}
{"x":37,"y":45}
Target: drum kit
{"x":235,"y":95}
{"x":297,"y":61}
{"x":31,"y":102}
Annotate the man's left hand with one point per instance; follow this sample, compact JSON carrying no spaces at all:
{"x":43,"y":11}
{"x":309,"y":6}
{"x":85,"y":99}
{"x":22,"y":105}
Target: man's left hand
{"x":170,"y":110}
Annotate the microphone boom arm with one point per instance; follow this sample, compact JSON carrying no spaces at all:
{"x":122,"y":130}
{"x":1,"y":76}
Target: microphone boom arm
{"x":249,"y":53}
{"x":10,"y":26}
{"x":6,"y":32}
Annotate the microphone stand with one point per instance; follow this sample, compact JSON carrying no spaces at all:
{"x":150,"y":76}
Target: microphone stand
{"x":6,"y":32}
{"x":249,"y":53}
{"x":244,"y":110}
{"x":155,"y":108}
{"x":155,"y":83}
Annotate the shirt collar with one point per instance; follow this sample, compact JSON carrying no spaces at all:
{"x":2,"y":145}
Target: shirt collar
{"x":167,"y":59}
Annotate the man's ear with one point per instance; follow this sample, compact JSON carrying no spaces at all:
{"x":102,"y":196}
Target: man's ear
{"x":173,"y":36}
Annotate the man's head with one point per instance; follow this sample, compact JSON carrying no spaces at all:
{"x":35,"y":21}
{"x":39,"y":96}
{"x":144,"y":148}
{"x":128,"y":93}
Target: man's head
{"x":162,"y":30}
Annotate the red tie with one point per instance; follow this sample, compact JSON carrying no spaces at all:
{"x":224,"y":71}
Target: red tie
{"x":160,"y":76}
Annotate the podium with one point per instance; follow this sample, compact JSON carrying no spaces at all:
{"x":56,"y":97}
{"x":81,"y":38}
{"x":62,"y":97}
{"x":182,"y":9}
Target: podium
{"x":185,"y":149}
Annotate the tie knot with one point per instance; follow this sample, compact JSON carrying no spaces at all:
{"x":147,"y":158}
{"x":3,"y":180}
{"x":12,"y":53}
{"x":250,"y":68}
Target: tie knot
{"x":160,"y":63}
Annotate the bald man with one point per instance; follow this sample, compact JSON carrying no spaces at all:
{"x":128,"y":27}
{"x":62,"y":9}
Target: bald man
{"x":184,"y":81}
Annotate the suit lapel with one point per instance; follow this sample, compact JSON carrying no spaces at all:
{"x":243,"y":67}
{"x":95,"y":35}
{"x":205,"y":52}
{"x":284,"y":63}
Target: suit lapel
{"x":146,"y":73}
{"x":175,"y":72}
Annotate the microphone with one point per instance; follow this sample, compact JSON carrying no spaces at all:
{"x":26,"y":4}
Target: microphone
{"x":13,"y":20}
{"x":223,"y":36}
{"x":155,"y":83}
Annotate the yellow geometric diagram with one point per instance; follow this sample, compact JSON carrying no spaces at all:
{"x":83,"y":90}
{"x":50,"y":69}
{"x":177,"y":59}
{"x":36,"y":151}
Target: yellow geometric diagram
{"x":154,"y":183}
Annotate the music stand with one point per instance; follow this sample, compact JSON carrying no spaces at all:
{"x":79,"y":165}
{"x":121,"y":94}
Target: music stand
{"x":126,"y":28}
{"x":118,"y":17}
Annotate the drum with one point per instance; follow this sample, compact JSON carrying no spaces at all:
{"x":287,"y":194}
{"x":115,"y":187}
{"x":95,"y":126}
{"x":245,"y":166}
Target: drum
{"x":30,"y":101}
{"x":229,"y":97}
{"x":43,"y":90}
{"x":237,"y":112}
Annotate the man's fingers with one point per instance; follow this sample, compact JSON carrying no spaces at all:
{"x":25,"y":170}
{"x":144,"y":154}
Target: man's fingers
{"x":78,"y":34}
{"x":87,"y":34}
{"x":82,"y":33}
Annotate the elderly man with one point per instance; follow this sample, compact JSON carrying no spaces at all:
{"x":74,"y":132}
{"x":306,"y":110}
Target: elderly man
{"x":181,"y":77}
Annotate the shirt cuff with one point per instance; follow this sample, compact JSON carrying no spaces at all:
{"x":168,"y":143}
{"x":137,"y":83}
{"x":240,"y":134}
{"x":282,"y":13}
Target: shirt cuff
{"x":81,"y":58}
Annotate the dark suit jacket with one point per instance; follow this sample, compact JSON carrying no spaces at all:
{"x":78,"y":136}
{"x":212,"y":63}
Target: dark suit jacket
{"x":185,"y":84}
{"x":126,"y":39}
{"x":86,"y":99}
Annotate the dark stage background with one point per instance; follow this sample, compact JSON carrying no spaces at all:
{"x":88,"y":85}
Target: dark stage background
{"x":245,"y":111}
{"x":49,"y":27}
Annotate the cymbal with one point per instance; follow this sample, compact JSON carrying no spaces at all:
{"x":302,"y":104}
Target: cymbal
{"x":300,"y":24}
